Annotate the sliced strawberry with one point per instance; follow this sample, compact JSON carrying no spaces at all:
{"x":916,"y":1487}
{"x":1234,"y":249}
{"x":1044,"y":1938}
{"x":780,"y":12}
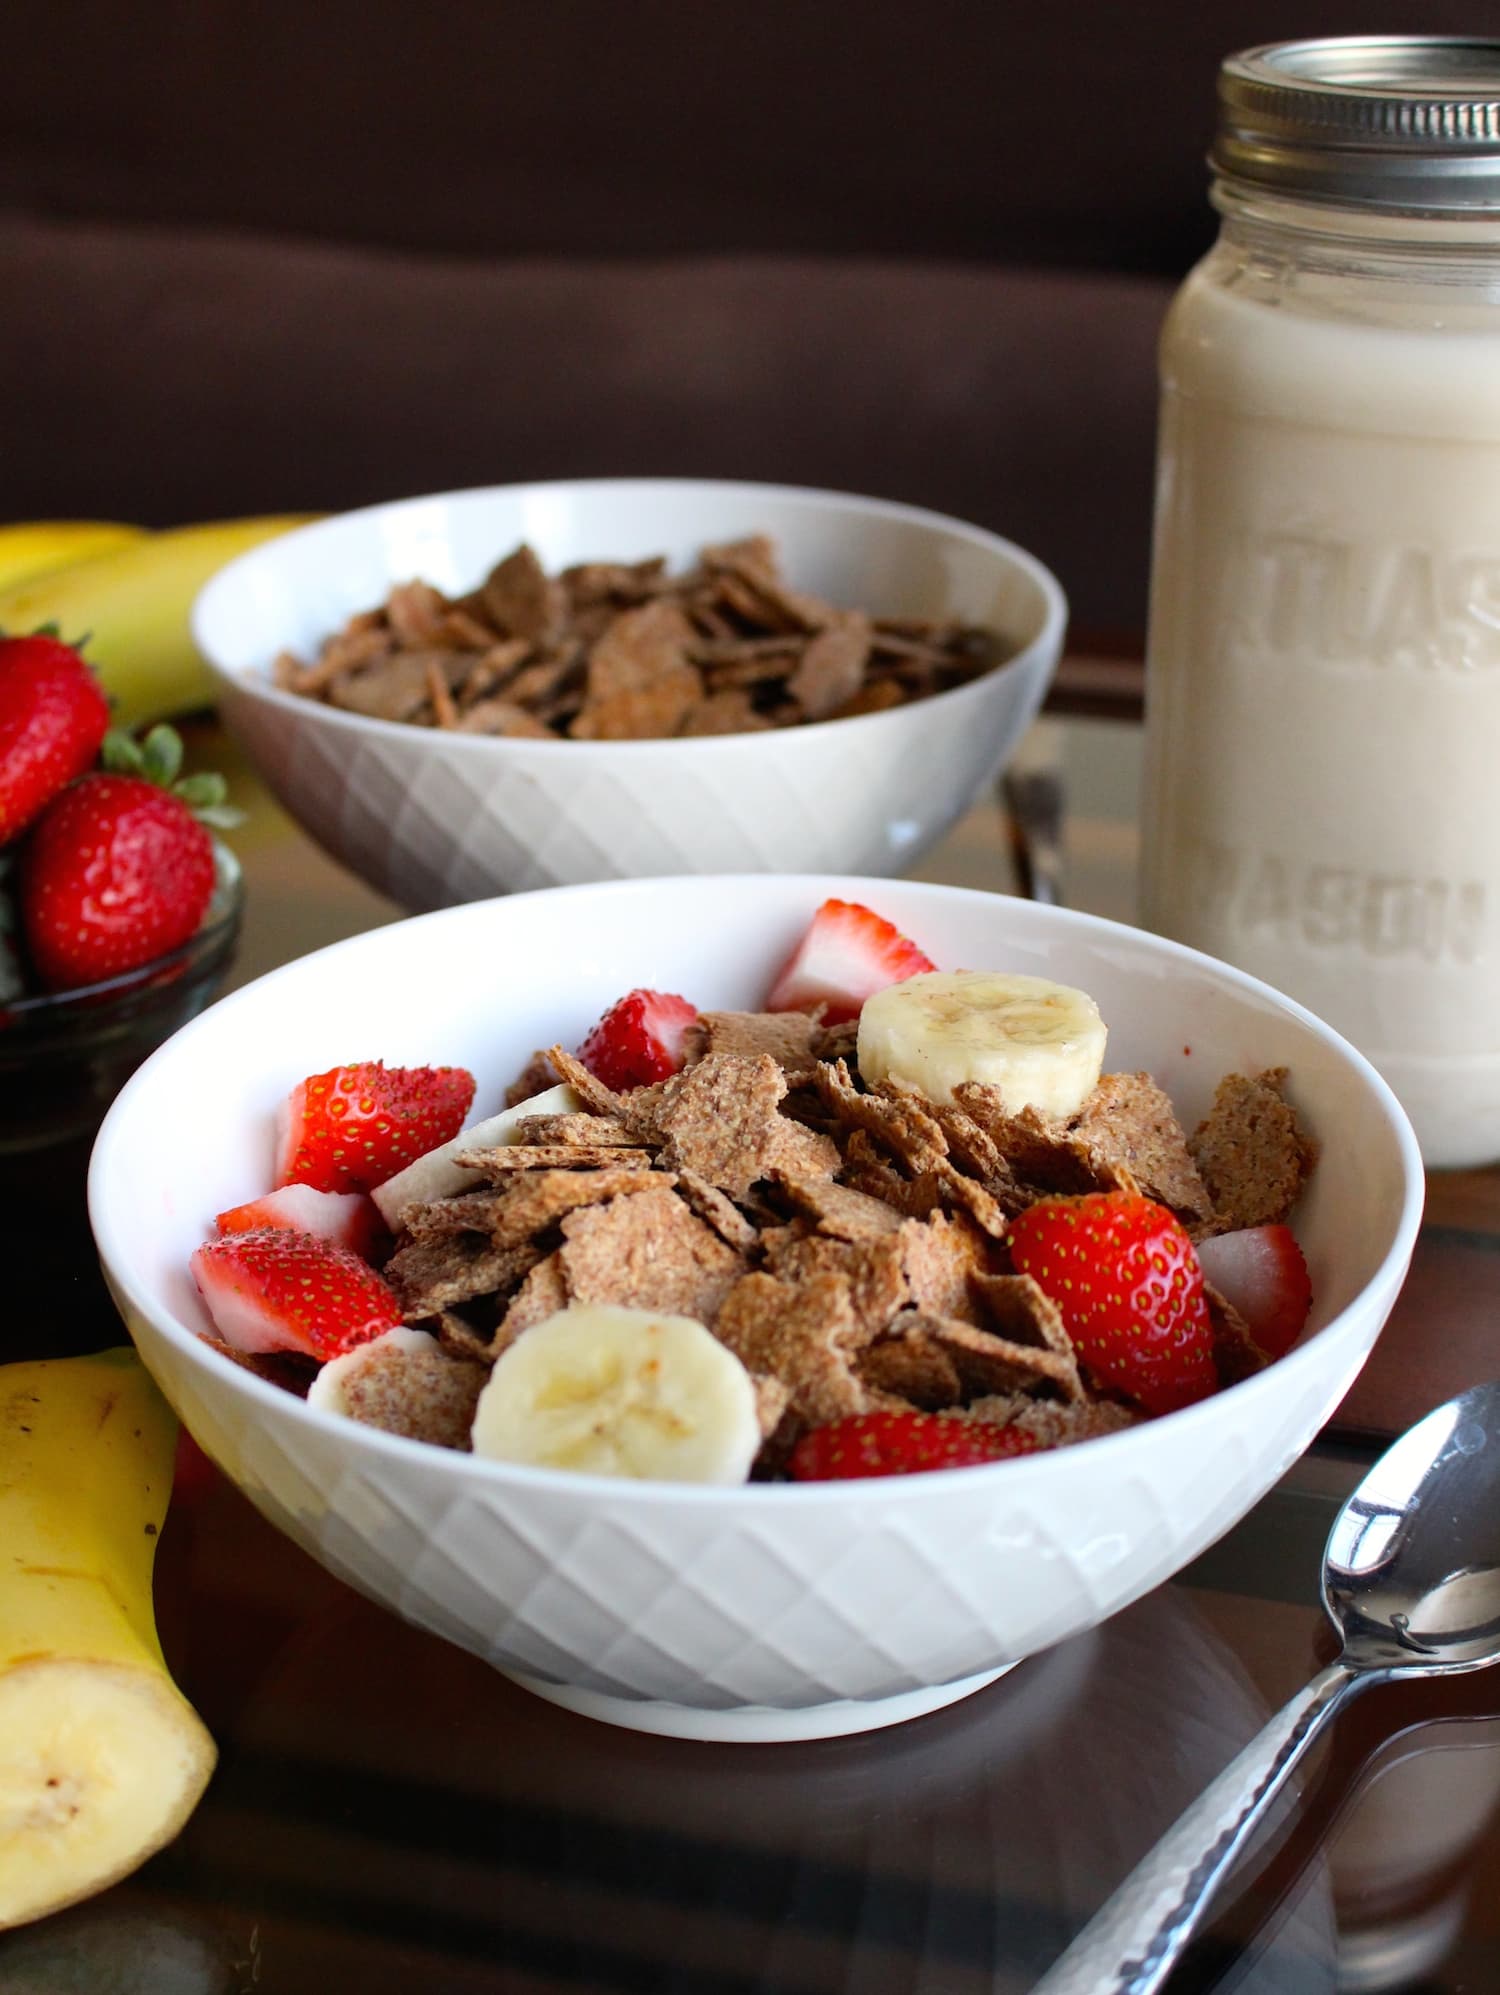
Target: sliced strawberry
{"x":638,"y":1040}
{"x":847,"y":954}
{"x":1260,"y":1270}
{"x":1126,"y":1279}
{"x":901,"y":1444}
{"x":353,"y":1127}
{"x":274,"y":1290}
{"x":348,"y":1218}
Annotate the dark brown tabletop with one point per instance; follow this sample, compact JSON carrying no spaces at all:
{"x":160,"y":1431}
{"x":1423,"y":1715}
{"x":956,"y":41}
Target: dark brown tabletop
{"x":389,"y":1814}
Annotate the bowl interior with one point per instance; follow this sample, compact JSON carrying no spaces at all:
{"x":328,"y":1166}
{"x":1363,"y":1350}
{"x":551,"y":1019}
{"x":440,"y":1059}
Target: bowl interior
{"x":296,"y":590}
{"x":485,"y":984}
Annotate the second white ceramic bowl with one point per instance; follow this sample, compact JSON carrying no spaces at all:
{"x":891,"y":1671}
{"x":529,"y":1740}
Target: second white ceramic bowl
{"x":434,"y":818}
{"x":775,"y":1610}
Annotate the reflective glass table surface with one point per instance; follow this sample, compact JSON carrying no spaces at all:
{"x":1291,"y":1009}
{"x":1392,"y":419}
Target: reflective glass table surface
{"x":390,"y":1815}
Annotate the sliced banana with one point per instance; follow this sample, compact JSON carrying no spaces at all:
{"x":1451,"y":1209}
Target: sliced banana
{"x":1040,"y":1044}
{"x":435,"y":1175}
{"x":629,"y":1392}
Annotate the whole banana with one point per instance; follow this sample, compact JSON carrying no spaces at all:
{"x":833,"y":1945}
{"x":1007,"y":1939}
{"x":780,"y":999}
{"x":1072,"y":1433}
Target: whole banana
{"x":132,"y":604}
{"x":102,"y":1759}
{"x":29,"y":548}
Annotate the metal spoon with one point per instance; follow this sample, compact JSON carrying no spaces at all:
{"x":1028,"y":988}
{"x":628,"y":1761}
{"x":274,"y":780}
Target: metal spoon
{"x":1411,"y":1579}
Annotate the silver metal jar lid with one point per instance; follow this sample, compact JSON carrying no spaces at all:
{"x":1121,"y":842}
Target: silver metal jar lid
{"x":1405,"y":122}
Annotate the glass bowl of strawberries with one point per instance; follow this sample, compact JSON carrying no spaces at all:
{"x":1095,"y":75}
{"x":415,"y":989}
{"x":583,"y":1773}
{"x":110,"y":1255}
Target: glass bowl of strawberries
{"x":119,"y":907}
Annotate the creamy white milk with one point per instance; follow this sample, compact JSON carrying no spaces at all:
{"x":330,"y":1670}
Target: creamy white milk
{"x":1323,"y":754}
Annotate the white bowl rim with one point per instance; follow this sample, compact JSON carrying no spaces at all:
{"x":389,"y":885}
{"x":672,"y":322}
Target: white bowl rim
{"x":255,"y":685}
{"x":1032,"y":1469}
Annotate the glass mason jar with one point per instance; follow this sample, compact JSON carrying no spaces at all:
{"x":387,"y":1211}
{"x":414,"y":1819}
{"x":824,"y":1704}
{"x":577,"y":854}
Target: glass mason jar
{"x":1322,"y":791}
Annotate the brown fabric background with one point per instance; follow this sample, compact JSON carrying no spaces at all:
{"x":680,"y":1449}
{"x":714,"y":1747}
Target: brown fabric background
{"x":318,"y":252}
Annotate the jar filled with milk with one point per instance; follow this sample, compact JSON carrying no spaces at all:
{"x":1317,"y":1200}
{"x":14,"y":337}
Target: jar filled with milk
{"x":1323,"y":708}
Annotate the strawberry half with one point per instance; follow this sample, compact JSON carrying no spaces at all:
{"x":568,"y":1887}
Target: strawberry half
{"x":353,"y":1127}
{"x":638,"y":1040}
{"x":1261,"y":1272}
{"x":847,"y":954}
{"x":53,"y":716}
{"x":904,"y":1443}
{"x":348,"y":1218}
{"x":1126,"y":1279}
{"x":274,"y":1290}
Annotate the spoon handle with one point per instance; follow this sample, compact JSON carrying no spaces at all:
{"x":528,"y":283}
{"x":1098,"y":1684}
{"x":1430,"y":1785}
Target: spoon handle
{"x":1130,"y":1944}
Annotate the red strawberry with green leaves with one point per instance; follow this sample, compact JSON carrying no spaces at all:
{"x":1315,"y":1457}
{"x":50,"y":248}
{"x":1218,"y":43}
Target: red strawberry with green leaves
{"x":848,"y":953}
{"x":638,"y":1040}
{"x":1126,"y":1278}
{"x":275,"y":1290}
{"x":119,"y":867}
{"x":355,"y":1126}
{"x":53,"y":716}
{"x":901,"y":1443}
{"x":1261,"y":1271}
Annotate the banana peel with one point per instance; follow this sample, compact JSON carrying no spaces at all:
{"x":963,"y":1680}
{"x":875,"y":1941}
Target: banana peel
{"x":132,"y":604}
{"x":102,"y":1759}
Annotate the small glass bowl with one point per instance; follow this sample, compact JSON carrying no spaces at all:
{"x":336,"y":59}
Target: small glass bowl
{"x":64,"y":1055}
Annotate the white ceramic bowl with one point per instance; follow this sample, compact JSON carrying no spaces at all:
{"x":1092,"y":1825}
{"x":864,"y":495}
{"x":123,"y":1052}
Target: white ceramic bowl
{"x":432,"y":818}
{"x":768,"y":1611}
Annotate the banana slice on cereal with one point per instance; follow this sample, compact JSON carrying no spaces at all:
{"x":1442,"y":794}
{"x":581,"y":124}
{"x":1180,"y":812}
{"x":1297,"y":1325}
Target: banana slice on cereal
{"x":435,"y":1175}
{"x":1040,"y":1044}
{"x":605,"y":1390}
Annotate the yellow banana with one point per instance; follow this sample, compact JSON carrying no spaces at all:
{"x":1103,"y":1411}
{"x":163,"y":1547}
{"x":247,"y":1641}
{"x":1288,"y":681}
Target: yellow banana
{"x":133,"y":607}
{"x":38,"y":547}
{"x":102,"y":1759}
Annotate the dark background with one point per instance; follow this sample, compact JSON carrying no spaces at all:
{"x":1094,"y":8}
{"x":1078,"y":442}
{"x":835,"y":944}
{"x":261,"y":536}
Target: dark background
{"x":309,"y":255}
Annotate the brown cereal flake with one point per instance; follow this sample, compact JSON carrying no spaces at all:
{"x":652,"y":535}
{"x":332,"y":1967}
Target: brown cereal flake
{"x":987,"y":1363}
{"x":506,"y":1158}
{"x":894,"y":1119}
{"x":648,"y":1251}
{"x":1051,"y":1422}
{"x":1251,"y":1152}
{"x":1237,"y":1355}
{"x":543,"y":1293}
{"x":789,"y":1037}
{"x":586,"y":1131}
{"x":1037,"y":1147}
{"x":435,"y":1274}
{"x":425,"y":1394}
{"x":595,"y":1096}
{"x":940,"y":1257}
{"x":1128,"y":1122}
{"x":541,"y":1198}
{"x":871,"y":1272}
{"x":772,"y":1398}
{"x":721,"y":1213}
{"x":519,"y":599}
{"x":839,"y":1209}
{"x":832,"y":668}
{"x":721,"y":1119}
{"x":536,"y":1077}
{"x":912,"y":1366}
{"x":284,"y":1368}
{"x":799,"y":1333}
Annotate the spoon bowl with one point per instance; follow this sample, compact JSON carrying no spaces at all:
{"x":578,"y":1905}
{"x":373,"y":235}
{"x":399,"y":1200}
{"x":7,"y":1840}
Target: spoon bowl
{"x":1411,"y":1579}
{"x":1411,"y":1574}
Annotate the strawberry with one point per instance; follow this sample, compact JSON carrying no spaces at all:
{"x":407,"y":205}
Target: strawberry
{"x":119,"y":867}
{"x":348,"y":1218}
{"x":353,"y":1127}
{"x":847,"y":954}
{"x":1126,"y":1278}
{"x":274,"y":1290}
{"x":639,"y":1039}
{"x":53,"y":716}
{"x":903,"y":1443}
{"x":1261,"y":1272}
